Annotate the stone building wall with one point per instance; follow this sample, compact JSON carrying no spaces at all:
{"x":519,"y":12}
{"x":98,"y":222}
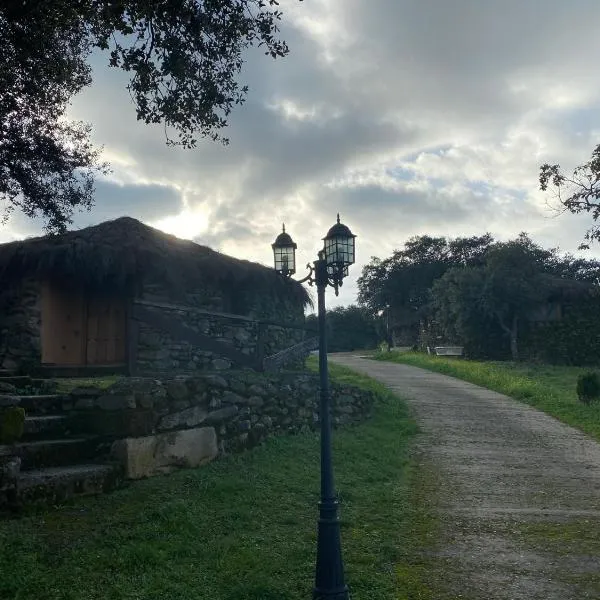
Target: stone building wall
{"x":159,"y":425}
{"x":159,"y":352}
{"x":20,"y":322}
{"x":156,"y":351}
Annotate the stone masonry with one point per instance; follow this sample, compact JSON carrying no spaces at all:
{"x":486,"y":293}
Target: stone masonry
{"x":157,"y":425}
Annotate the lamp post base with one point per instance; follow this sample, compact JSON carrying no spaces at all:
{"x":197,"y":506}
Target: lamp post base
{"x":329,"y":580}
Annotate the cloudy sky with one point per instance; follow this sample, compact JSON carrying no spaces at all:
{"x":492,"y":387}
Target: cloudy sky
{"x":405,"y":116}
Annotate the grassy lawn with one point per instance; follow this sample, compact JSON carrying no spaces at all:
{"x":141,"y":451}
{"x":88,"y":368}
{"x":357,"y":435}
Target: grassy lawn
{"x":548,"y":388}
{"x":241,"y":528}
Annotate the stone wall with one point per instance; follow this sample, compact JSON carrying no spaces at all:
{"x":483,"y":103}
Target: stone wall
{"x":159,"y":425}
{"x":156,"y":351}
{"x":159,"y":352}
{"x":20,"y":320}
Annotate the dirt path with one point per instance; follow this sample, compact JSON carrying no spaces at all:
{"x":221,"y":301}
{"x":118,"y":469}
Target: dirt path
{"x":518,"y":495}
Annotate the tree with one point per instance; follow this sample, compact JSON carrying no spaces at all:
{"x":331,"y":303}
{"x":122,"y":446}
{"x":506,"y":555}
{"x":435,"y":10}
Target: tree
{"x":183,"y":56}
{"x":578,"y":193}
{"x":514,"y":278}
{"x":402,"y":283}
{"x":348,"y":328}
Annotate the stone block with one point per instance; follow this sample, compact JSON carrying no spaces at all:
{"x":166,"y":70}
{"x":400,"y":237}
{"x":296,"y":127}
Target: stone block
{"x":84,"y":403}
{"x":177,"y":390}
{"x":222,"y":414}
{"x":237,"y":386}
{"x":257,"y":390}
{"x":232,"y":398}
{"x":9,"y":400}
{"x":162,"y":453}
{"x":221,"y":364}
{"x":255,"y":401}
{"x":190,"y":417}
{"x":116,"y":402}
{"x":7,"y":388}
{"x":217,"y":381}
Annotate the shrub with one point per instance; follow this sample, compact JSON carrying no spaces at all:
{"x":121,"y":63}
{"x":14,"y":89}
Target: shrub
{"x":588,"y":387}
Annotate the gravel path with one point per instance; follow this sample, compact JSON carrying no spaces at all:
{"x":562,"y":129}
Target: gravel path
{"x":519,"y":492}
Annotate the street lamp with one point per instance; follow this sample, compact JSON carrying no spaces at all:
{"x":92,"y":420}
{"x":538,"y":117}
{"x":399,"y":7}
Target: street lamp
{"x":329,"y":269}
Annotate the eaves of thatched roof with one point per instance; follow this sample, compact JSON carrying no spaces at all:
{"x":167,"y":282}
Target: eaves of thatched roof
{"x":122,"y":253}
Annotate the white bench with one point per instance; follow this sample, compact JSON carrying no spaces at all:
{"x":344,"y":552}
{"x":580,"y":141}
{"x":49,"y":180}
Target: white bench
{"x":448,"y":350}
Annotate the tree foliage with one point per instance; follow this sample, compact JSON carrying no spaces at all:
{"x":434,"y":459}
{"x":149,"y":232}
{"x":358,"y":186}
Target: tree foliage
{"x":349,"y":328}
{"x":471,"y":291}
{"x":183,"y":57}
{"x":404,"y":280}
{"x":579,"y":192}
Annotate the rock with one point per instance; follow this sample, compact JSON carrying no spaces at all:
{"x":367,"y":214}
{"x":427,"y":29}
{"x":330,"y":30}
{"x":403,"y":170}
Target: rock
{"x":237,"y":386}
{"x":156,"y":454}
{"x":220,"y":364}
{"x":8,"y":400}
{"x":257,"y":390}
{"x":217,"y":381}
{"x":10,"y":468}
{"x":179,"y":405}
{"x":221,"y":415}
{"x":7,"y":388}
{"x":190,"y":417}
{"x":256,"y":401}
{"x":84,"y":404}
{"x":267,"y":421}
{"x":145,"y":401}
{"x":177,"y":390}
{"x":231,"y":398}
{"x":115,"y":402}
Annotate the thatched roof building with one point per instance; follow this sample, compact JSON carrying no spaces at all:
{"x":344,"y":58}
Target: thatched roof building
{"x":120,"y":254}
{"x":72,"y":299}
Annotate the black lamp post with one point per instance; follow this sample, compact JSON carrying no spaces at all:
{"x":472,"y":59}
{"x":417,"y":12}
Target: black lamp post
{"x":330,"y":269}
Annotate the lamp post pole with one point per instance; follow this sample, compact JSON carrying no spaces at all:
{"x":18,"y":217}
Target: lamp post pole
{"x":330,"y":269}
{"x":329,"y":576}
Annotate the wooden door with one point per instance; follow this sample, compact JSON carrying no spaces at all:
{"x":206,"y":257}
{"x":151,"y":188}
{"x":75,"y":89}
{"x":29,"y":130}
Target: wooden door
{"x":106,"y":330}
{"x":63,"y":328}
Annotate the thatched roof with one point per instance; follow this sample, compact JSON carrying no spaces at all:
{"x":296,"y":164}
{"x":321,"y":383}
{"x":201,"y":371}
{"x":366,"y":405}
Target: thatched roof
{"x":121,"y":253}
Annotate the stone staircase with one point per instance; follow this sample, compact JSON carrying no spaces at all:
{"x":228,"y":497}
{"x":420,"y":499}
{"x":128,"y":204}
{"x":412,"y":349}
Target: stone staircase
{"x":58,"y":458}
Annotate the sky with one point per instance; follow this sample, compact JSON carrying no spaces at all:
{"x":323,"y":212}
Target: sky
{"x":406,"y":117}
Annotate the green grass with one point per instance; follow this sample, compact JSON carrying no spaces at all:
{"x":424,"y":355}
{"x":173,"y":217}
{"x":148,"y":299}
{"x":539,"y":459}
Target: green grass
{"x":241,"y":528}
{"x":546,"y":387}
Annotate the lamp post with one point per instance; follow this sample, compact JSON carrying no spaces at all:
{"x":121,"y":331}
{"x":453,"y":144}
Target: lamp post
{"x":329,"y":269}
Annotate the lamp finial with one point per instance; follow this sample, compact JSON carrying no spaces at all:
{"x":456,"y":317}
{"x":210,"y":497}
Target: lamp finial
{"x":338,"y":217}
{"x":283,"y":225}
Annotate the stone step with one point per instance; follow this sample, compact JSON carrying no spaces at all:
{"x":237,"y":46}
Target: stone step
{"x":46,"y":426}
{"x":18,"y":381}
{"x":54,"y":485}
{"x":60,"y":452}
{"x":7,"y":373}
{"x":42,"y":404}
